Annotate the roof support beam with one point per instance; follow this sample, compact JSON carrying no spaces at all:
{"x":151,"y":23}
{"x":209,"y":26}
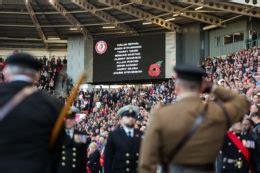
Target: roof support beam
{"x":141,"y":14}
{"x":103,"y":15}
{"x":164,"y":5}
{"x":28,"y":44}
{"x":70,"y":18}
{"x":36,"y":22}
{"x":47,"y":19}
{"x":232,"y":8}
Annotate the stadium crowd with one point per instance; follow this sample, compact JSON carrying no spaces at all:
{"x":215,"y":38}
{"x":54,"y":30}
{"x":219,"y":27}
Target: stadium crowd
{"x":49,"y":73}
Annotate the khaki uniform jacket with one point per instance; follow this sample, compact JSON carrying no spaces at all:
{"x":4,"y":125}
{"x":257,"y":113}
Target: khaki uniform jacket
{"x":169,"y":124}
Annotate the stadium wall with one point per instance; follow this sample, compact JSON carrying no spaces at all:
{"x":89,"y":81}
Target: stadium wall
{"x":76,"y":53}
{"x":170,"y":53}
{"x":89,"y":60}
{"x":190,"y":46}
{"x":205,"y":45}
{"x":217,"y":46}
{"x":80,"y":57}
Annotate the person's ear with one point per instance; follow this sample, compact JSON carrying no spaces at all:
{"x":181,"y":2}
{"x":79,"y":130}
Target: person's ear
{"x":177,"y":89}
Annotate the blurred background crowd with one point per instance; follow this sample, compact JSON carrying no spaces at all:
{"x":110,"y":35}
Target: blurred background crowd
{"x":49,"y":73}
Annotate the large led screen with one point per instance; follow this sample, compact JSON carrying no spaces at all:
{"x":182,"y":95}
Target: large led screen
{"x":129,"y":58}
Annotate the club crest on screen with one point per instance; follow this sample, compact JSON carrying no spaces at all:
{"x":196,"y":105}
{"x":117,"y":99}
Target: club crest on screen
{"x":101,"y":47}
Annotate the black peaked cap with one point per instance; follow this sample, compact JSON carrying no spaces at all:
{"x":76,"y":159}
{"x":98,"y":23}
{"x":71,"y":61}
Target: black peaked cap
{"x":190,"y":72}
{"x":24,"y":60}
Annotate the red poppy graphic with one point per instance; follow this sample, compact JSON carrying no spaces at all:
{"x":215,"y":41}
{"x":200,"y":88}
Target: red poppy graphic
{"x":155,"y":69}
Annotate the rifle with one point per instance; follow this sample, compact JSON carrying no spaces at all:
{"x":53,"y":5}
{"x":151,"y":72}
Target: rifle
{"x":64,"y":112}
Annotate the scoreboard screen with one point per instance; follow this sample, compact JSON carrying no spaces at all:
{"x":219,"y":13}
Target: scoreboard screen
{"x":129,"y":58}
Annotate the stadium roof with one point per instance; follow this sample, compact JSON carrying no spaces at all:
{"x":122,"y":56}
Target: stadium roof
{"x":48,"y":23}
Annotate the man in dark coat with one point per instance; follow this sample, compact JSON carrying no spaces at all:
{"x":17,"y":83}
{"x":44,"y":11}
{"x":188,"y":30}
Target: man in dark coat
{"x":25,"y":130}
{"x":122,"y":148}
{"x":74,"y":149}
{"x":256,"y":136}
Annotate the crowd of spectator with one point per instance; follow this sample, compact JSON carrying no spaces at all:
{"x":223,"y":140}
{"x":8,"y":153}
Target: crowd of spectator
{"x":48,"y":75}
{"x":237,"y":72}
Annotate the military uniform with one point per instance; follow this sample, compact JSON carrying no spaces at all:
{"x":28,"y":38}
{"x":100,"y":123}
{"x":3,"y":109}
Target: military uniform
{"x":256,"y":154}
{"x":170,"y":123}
{"x":232,"y":158}
{"x":74,"y":152}
{"x":122,"y":149}
{"x":122,"y":152}
{"x":26,"y":130}
{"x":74,"y":149}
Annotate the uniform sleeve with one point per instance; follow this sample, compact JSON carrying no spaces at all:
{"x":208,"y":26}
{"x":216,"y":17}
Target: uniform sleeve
{"x":150,"y":147}
{"x":83,"y":153}
{"x":236,"y":105}
{"x":256,"y":152}
{"x":109,"y":152}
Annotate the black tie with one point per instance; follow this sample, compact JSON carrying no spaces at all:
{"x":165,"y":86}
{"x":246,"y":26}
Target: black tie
{"x":129,"y":134}
{"x":68,"y":132}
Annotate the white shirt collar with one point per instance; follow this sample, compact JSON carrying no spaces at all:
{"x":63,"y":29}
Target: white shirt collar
{"x":70,"y":132}
{"x":127,"y":130}
{"x":21,"y":78}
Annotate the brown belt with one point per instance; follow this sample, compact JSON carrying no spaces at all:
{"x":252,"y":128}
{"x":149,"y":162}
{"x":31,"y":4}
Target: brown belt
{"x":181,"y":168}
